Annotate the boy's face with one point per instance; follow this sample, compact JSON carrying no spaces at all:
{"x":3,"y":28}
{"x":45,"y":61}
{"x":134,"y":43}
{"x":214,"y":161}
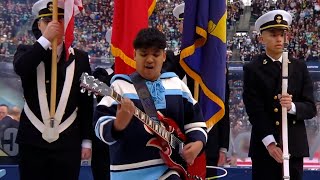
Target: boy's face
{"x":273,"y":39}
{"x":149,"y":62}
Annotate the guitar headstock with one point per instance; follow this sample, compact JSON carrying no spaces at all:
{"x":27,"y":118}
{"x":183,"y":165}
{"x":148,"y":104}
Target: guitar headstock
{"x":93,"y":85}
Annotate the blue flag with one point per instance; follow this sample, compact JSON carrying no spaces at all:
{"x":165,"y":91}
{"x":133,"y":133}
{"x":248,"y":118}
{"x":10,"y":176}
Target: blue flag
{"x":203,"y":53}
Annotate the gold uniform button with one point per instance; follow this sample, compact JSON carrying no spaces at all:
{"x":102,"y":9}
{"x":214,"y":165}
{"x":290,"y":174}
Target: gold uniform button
{"x":275,"y":97}
{"x":294,"y":122}
{"x":277,"y":123}
{"x":275,"y":110}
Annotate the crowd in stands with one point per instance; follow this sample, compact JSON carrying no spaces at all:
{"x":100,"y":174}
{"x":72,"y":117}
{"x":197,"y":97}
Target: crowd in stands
{"x":259,"y":7}
{"x":247,"y":45}
{"x":91,"y":25}
{"x":304,"y":36}
{"x":234,"y":10}
{"x":163,"y":19}
{"x":247,"y":42}
{"x":238,"y":116}
{"x":14,"y":15}
{"x":305,"y":43}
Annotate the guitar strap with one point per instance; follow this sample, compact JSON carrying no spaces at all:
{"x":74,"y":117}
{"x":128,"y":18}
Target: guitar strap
{"x":144,"y":95}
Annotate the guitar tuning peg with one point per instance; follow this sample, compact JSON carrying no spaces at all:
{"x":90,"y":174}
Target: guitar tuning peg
{"x":83,"y":90}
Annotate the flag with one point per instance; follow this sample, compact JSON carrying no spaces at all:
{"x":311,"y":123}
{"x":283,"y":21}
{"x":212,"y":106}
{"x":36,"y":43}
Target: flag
{"x":203,"y":53}
{"x":129,"y":17}
{"x":71,"y":8}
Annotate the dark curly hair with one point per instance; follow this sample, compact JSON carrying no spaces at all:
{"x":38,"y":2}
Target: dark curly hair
{"x":150,"y":38}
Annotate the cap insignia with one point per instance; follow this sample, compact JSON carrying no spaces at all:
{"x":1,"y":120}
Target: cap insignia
{"x":278,"y":18}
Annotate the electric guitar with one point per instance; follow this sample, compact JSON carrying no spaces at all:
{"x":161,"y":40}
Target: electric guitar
{"x":169,"y":138}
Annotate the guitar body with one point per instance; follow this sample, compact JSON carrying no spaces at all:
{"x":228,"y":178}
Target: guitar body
{"x":172,"y":158}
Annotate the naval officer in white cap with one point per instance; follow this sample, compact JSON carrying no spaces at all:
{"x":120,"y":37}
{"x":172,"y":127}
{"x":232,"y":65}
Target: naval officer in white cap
{"x":52,"y":157}
{"x":178,"y":13}
{"x":172,"y":60}
{"x":261,"y":89}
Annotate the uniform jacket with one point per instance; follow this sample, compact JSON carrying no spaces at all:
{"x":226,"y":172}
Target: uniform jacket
{"x":262,"y":84}
{"x":218,"y":136}
{"x":26,"y":60}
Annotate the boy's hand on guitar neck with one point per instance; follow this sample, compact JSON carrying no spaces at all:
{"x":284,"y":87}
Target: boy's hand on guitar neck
{"x":191,"y":151}
{"x":125,"y":111}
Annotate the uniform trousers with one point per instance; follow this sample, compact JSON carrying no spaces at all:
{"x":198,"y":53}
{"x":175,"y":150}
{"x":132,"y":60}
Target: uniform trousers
{"x":48,"y":164}
{"x":268,"y":168}
{"x":100,"y":161}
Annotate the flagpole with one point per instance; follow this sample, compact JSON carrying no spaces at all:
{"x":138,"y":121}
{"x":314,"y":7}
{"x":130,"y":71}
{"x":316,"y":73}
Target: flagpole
{"x":53,"y":66}
{"x":196,"y":90}
{"x":285,"y":148}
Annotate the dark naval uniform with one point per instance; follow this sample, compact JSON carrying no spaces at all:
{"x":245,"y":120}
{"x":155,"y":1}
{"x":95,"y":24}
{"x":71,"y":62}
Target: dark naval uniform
{"x":262,"y":84}
{"x":59,"y":159}
{"x":218,"y":136}
{"x":100,"y":160}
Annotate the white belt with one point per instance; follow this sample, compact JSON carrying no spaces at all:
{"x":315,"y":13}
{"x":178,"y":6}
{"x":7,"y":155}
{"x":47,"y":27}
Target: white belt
{"x":51,"y":133}
{"x":40,"y":126}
